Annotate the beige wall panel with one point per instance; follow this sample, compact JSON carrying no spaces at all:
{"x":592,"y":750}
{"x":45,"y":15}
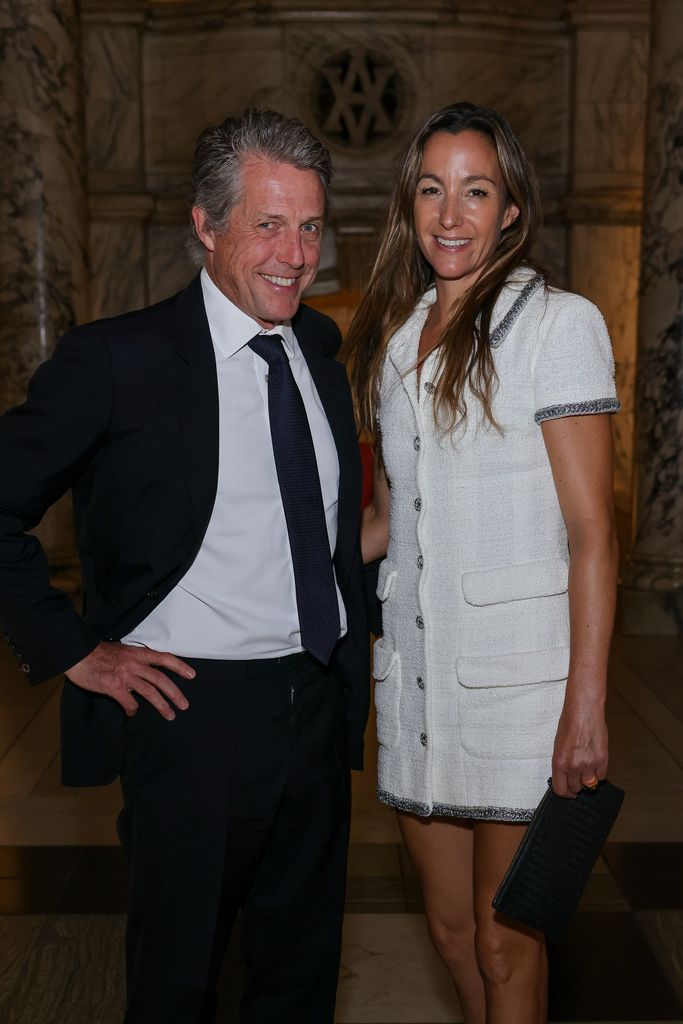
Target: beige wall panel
{"x":111,"y":70}
{"x":604,"y":268}
{"x":195,"y":80}
{"x":169,"y":266}
{"x":117,"y":268}
{"x":611,"y":84}
{"x":528,"y":82}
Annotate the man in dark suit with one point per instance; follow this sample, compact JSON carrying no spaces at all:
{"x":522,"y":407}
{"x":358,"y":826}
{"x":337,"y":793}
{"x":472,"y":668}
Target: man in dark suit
{"x":220,"y":663}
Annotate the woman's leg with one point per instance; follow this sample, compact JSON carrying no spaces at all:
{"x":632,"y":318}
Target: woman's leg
{"x":512,"y":958}
{"x":441,"y":851}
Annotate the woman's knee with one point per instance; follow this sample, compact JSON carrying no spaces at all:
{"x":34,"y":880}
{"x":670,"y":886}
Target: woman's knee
{"x":502,"y":952}
{"x":453,"y":940}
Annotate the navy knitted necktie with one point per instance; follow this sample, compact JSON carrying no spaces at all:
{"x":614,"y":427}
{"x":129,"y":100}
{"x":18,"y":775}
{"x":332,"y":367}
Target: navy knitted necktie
{"x":297,"y":473}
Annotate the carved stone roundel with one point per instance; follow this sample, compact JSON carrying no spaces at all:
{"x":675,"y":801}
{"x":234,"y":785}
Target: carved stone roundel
{"x":358,"y":98}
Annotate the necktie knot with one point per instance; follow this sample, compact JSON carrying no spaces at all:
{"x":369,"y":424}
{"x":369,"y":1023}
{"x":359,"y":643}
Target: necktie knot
{"x":269,"y":347}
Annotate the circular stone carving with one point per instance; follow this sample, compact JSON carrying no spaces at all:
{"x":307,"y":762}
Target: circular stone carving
{"x":358,"y":98}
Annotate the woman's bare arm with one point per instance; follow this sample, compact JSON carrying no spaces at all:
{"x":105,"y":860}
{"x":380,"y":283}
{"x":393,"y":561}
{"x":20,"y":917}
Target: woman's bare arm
{"x":374,"y":530}
{"x":580,"y":453}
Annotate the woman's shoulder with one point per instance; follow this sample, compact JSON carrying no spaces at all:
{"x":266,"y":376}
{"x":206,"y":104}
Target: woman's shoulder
{"x":553,"y":306}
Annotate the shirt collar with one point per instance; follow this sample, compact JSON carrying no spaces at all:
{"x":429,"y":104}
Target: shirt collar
{"x":231,"y":329}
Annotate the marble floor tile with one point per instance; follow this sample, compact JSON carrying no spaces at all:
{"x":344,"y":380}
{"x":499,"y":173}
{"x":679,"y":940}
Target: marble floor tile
{"x":604,"y":970}
{"x":664,"y":932}
{"x":73,"y":974}
{"x":18,"y":937}
{"x":652,"y":668}
{"x":390,"y":973}
{"x":650,"y":875}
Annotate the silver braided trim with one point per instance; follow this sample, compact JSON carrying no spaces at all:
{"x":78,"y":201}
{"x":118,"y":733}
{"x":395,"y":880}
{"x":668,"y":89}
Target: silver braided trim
{"x":510,"y":814}
{"x":501,"y":329}
{"x":556,"y":412}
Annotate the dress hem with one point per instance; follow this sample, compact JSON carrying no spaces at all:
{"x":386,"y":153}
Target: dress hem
{"x":498,"y":814}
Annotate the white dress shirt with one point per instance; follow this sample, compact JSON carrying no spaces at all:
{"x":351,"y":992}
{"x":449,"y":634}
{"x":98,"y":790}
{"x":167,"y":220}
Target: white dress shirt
{"x":238,"y":599}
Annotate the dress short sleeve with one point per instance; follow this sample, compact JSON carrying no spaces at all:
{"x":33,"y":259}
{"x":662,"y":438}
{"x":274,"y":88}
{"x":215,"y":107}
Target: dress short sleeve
{"x":573,"y":373}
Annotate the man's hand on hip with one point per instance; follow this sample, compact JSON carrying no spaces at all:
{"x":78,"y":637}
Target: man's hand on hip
{"x":119,"y":671}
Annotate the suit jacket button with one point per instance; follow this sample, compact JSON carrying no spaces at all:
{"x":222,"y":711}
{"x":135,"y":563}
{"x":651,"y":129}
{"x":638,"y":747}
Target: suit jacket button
{"x":25,"y":667}
{"x":151,"y":593}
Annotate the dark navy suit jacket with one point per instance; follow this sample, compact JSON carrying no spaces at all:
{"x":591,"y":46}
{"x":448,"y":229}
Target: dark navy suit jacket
{"x":125,"y":414}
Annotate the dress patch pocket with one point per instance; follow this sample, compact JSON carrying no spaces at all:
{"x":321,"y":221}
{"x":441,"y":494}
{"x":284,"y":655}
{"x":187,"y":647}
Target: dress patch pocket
{"x":386,"y":671}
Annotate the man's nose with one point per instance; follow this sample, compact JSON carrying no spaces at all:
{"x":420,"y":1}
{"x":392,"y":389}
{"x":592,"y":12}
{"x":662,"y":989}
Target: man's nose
{"x":291,"y":250}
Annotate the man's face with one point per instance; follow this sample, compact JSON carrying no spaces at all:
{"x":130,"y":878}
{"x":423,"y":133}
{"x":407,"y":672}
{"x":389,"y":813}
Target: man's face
{"x":270,"y":249}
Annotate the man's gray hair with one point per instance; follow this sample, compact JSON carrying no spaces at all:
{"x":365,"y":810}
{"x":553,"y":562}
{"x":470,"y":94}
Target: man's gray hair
{"x":222,"y":150}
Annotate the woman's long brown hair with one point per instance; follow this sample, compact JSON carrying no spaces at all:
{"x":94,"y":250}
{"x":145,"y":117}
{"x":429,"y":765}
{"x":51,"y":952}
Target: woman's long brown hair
{"x":401,"y":275}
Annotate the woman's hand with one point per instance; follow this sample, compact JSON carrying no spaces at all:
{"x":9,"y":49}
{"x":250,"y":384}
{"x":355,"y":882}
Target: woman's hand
{"x":580,"y":752}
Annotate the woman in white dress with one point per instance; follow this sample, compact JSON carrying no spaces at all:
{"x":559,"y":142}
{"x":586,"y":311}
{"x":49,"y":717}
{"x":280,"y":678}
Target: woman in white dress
{"x":489,"y":394}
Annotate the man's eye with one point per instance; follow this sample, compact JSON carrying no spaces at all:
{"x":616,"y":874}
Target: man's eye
{"x":267,"y":225}
{"x":311,"y":229}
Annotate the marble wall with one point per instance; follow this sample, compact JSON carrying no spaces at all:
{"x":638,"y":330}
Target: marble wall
{"x":153,"y":78}
{"x":656,"y":563}
{"x":569,"y":74}
{"x":43,"y":240}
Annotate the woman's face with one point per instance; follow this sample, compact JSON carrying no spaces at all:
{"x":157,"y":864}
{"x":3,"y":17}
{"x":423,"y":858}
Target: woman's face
{"x":461,"y":206}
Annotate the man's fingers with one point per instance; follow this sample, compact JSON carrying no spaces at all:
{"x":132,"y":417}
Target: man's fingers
{"x":127,"y":701}
{"x":161,"y":681}
{"x":152,"y":695}
{"x":169,"y":661}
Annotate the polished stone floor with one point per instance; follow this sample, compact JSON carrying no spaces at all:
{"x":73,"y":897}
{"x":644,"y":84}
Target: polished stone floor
{"x":62,"y":880}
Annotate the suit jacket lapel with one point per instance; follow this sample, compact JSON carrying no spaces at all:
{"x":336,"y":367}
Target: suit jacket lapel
{"x":197,"y":397}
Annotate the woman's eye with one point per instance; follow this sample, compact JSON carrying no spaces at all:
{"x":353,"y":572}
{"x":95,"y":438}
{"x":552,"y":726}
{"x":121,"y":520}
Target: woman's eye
{"x":429,"y":190}
{"x":478,"y":193}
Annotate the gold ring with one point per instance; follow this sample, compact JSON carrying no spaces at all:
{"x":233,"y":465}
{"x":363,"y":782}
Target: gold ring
{"x":592,"y":783}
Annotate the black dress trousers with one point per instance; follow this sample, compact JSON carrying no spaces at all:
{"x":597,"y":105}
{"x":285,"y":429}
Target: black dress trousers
{"x":240,"y":804}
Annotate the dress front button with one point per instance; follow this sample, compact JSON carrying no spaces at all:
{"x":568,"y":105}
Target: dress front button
{"x":420,"y":683}
{"x":419,"y":622}
{"x":418,"y":504}
{"x":423,"y":739}
{"x":429,"y":387}
{"x":416,"y":444}
{"x":420,"y":561}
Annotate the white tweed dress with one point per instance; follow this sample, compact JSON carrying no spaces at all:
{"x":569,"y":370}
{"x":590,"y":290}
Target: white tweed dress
{"x":471,"y":670}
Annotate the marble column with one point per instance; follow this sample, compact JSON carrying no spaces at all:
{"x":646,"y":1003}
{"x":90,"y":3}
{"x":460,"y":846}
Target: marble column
{"x":604,"y":206}
{"x":42,"y":205}
{"x":652,"y":599}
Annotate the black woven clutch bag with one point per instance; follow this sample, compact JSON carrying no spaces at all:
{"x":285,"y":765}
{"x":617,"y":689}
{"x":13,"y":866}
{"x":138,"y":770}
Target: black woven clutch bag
{"x":543,"y":885}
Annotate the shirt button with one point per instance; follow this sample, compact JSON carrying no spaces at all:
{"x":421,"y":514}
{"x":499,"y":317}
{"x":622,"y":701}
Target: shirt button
{"x":429,"y":387}
{"x":420,"y":561}
{"x":420,"y":683}
{"x":418,"y":504}
{"x":419,"y":622}
{"x":416,"y":444}
{"x":25,"y":667}
{"x":423,"y":739}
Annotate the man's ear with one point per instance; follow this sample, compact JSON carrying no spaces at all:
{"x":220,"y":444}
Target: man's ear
{"x":205,"y":235}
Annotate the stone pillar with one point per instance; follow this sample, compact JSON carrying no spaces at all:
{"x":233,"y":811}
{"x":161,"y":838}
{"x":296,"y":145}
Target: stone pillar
{"x":652,"y":598}
{"x":42,"y":205}
{"x":604,"y":206}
